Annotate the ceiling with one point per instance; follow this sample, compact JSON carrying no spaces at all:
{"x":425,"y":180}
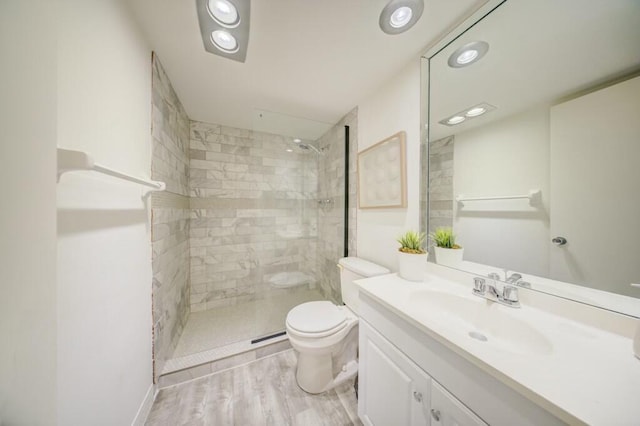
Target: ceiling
{"x":311,"y":59}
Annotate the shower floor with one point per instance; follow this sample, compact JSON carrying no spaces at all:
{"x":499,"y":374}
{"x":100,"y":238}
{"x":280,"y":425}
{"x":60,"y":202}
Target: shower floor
{"x":206,"y":330}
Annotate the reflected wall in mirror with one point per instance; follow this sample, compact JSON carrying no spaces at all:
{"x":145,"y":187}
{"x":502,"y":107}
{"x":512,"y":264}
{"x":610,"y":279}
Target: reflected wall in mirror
{"x":539,"y":141}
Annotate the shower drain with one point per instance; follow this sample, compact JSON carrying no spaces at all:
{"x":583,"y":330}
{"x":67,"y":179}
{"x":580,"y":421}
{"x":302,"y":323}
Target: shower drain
{"x":478,"y":336}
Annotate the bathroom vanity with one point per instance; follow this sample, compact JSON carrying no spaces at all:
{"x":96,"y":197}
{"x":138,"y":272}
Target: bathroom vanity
{"x":433,"y":353}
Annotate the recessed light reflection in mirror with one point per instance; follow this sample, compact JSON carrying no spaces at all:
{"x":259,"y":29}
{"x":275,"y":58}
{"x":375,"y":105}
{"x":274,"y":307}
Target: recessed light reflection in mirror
{"x":456,"y":119}
{"x":467,"y":114}
{"x":474,"y":112}
{"x":468,"y":54}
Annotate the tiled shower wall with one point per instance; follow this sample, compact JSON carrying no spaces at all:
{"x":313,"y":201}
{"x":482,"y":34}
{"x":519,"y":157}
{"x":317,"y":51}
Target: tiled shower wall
{"x":331,"y":181}
{"x":253,"y":213}
{"x":170,"y":217}
{"x":440,"y":183}
{"x":239,"y":211}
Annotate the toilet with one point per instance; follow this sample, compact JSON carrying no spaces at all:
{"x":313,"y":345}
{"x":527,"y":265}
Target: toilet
{"x":325,"y":335}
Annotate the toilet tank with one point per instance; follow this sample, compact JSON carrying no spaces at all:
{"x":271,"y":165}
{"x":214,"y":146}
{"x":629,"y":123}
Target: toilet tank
{"x":351,"y":269}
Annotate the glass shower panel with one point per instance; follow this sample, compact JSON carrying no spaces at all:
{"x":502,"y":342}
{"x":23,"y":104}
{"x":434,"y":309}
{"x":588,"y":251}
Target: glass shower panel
{"x":290,"y":278}
{"x":333,"y":209}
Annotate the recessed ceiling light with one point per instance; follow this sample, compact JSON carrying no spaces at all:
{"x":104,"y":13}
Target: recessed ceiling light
{"x":468,"y":54}
{"x":224,"y":41}
{"x":296,"y":140}
{"x":224,"y":27}
{"x":400,"y":15}
{"x":224,"y":13}
{"x":289,"y":150}
{"x":474,"y":112}
{"x":456,"y":119}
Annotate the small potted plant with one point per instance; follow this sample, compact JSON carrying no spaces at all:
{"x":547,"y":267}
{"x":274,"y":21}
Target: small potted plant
{"x":448,"y":253}
{"x":412,"y":258}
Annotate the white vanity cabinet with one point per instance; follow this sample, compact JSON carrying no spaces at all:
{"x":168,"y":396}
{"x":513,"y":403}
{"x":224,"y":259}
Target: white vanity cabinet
{"x":406,"y":377}
{"x":393,"y":390}
{"x":447,"y":410}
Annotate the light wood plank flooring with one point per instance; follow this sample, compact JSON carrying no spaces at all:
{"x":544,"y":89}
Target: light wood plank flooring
{"x":263,"y":392}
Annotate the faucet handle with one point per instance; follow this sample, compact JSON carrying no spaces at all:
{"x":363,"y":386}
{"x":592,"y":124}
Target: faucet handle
{"x":510,"y":295}
{"x":479,"y":285}
{"x":514,"y":278}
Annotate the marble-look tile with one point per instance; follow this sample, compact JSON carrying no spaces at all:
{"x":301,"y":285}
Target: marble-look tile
{"x":263,"y":392}
{"x":440,"y":175}
{"x":238,"y":173}
{"x":331,"y":181}
{"x":246,"y":179}
{"x":171,"y":215}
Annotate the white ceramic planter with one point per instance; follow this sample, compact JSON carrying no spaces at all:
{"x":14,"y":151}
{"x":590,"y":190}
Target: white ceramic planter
{"x":449,"y":257}
{"x":411,"y":266}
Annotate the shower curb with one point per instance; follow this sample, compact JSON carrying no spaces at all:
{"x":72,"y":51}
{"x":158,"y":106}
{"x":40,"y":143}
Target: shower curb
{"x":179,"y":370}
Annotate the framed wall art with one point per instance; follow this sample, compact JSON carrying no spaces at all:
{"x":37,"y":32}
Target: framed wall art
{"x":382,"y":174}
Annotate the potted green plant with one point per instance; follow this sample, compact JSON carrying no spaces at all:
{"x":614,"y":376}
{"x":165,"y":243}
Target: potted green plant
{"x":447,"y":252}
{"x":412,"y":258}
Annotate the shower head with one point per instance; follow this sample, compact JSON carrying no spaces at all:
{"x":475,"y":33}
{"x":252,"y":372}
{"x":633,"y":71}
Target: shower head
{"x":307,"y":147}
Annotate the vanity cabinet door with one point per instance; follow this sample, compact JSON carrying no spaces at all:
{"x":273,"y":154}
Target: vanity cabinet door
{"x":447,"y":410}
{"x":392,"y":389}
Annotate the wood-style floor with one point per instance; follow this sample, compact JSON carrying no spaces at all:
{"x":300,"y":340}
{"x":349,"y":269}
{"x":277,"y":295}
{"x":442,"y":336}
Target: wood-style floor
{"x":263,"y":392}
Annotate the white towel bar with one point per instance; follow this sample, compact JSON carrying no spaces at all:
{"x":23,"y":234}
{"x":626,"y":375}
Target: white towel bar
{"x":69,"y":161}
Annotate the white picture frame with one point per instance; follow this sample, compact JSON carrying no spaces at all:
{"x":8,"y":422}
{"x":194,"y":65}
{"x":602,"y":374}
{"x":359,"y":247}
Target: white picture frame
{"x":382,"y":174}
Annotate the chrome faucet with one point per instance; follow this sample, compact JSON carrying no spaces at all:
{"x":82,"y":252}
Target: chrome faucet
{"x":508,"y":296}
{"x":515,"y":278}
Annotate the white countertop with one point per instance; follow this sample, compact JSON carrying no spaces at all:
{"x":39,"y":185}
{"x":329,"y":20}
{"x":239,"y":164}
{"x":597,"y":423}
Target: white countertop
{"x":584,"y":374}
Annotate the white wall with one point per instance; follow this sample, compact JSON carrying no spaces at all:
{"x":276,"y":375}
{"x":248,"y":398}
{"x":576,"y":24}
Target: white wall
{"x":510,"y":156}
{"x":104,"y":255}
{"x":27,"y":213}
{"x":393,"y":107}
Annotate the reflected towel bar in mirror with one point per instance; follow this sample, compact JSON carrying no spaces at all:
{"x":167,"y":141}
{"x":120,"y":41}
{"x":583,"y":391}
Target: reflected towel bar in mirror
{"x":534,"y":196}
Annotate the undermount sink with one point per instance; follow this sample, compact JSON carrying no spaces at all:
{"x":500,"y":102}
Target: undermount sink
{"x":479,"y":319}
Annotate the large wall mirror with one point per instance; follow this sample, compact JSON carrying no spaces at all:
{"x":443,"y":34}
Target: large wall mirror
{"x":534,"y":147}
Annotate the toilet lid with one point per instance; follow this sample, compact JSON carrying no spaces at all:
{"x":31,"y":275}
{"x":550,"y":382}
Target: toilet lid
{"x":315,"y":317}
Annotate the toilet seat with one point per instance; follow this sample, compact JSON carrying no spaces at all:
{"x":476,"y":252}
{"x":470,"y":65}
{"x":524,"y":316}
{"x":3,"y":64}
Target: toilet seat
{"x":316,"y":319}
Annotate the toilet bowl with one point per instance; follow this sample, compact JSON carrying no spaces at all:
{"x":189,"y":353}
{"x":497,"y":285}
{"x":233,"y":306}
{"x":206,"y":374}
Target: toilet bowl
{"x":325,"y":335}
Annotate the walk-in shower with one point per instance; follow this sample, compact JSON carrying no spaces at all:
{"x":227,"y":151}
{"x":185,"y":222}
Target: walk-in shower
{"x":266,"y":227}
